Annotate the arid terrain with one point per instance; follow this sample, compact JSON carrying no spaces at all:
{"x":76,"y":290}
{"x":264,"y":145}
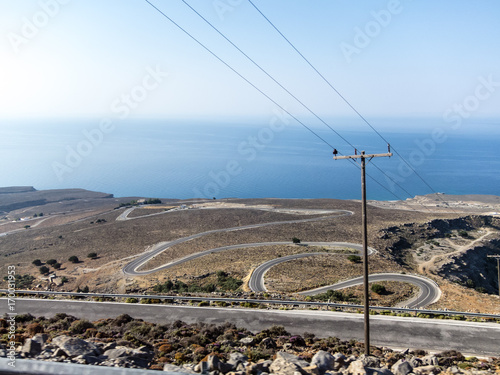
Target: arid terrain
{"x":444,"y":238}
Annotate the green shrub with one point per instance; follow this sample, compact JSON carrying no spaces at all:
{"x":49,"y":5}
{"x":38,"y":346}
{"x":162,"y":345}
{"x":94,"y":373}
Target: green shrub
{"x":92,"y":255}
{"x":44,"y":270}
{"x":354,"y":258}
{"x":379,"y":289}
{"x":295,"y":240}
{"x":80,"y":326}
{"x":131,"y":300}
{"x":51,"y":262}
{"x":37,"y":262}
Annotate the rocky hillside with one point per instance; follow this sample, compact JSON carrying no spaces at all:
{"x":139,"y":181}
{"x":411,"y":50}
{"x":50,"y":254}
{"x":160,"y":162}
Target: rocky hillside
{"x":400,"y":241}
{"x":473,"y":268}
{"x":224,"y":349}
{"x":15,"y":198}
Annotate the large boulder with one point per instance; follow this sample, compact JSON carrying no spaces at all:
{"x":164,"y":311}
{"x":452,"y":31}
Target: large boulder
{"x":31,"y":348}
{"x":73,"y":347}
{"x":402,"y":367}
{"x":426,"y":370}
{"x":215,"y":364}
{"x":430,"y":360}
{"x":324,"y":361}
{"x":236,"y":358}
{"x":356,"y":368}
{"x":286,"y":364}
{"x":177,"y":369}
{"x":40,"y":338}
{"x":118,"y":352}
{"x":260,"y":367}
{"x":370,"y":361}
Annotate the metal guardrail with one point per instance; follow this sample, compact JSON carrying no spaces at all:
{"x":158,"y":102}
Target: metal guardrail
{"x":338,"y":306}
{"x":36,"y":367}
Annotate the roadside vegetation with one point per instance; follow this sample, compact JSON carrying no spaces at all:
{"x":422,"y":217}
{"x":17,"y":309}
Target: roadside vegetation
{"x":224,"y":282}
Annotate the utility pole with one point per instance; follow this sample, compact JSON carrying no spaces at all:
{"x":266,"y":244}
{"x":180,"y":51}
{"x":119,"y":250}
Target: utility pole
{"x":498,"y":268}
{"x":363,"y":158}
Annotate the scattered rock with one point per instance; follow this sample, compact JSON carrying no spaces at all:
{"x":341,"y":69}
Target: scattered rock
{"x":236,"y":358}
{"x":215,"y":364}
{"x":426,"y":370}
{"x":121,"y":351}
{"x":31,"y":348}
{"x":430,"y":360}
{"x":356,"y":368}
{"x":402,"y":367}
{"x":41,"y":338}
{"x":286,"y":364}
{"x":74,"y":347}
{"x":247,"y":341}
{"x":174,"y":368}
{"x":324,"y":361}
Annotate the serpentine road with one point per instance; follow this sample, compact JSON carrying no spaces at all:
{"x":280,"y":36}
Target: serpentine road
{"x":131,"y":268}
{"x":429,"y":291}
{"x":428,"y":294}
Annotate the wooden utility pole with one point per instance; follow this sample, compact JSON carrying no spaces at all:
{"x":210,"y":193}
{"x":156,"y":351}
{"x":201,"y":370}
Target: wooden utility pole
{"x":498,"y":268}
{"x":363,"y":158}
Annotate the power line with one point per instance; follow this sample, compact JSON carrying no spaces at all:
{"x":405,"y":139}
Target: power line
{"x":259,"y":90}
{"x":237,"y":73}
{"x":289,"y":93}
{"x":344,"y":98}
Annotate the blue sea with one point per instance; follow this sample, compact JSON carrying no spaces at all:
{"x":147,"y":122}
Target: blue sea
{"x":250,"y":159}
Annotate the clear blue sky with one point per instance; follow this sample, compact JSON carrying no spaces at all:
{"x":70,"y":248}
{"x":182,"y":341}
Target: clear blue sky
{"x":85,"y":54}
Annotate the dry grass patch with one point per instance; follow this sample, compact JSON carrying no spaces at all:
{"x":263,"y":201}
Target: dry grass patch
{"x":315,"y":271}
{"x":397,"y":292}
{"x":458,"y":298}
{"x":238,"y":263}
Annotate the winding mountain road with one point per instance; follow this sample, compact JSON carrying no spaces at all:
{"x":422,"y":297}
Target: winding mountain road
{"x":429,"y":291}
{"x":131,"y":269}
{"x":256,"y":282}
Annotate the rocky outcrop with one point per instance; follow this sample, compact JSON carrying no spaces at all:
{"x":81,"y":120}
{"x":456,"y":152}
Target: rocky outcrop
{"x":74,"y":347}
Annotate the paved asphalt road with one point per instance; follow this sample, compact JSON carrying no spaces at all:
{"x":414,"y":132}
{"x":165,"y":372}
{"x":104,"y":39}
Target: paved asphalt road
{"x":467,"y":337}
{"x":131,"y":268}
{"x":256,"y":282}
{"x":429,"y":290}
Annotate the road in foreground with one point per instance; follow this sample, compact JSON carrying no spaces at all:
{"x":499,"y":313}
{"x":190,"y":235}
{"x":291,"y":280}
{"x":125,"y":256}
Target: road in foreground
{"x":467,"y":337}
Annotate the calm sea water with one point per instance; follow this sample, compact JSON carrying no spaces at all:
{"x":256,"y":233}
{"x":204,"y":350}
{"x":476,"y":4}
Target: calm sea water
{"x":269,"y":159}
